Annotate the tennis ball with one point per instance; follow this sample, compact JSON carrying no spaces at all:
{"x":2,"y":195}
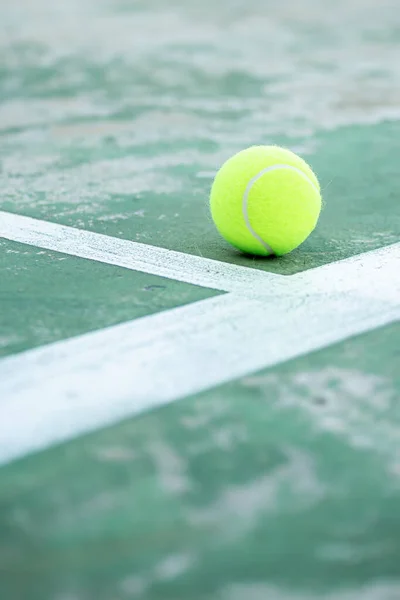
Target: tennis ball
{"x":265,"y":200}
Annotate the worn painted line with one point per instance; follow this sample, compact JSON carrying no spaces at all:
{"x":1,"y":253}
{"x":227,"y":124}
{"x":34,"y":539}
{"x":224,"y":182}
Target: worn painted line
{"x":153,"y":260}
{"x":377,"y":266}
{"x":62,"y":390}
{"x":375,"y":274}
{"x":59,"y":391}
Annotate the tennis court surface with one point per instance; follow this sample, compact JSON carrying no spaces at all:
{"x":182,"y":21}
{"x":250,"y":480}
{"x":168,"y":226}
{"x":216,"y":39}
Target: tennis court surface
{"x":179,"y":421}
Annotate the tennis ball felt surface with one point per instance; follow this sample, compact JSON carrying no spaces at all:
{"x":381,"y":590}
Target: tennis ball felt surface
{"x":265,"y":200}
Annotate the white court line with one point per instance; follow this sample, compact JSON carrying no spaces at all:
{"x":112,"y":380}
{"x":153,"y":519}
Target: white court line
{"x":59,"y":391}
{"x":374,"y":274}
{"x":197,"y":270}
{"x":153,"y":260}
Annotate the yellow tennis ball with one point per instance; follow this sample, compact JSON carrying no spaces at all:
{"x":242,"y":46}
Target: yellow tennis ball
{"x":265,"y":200}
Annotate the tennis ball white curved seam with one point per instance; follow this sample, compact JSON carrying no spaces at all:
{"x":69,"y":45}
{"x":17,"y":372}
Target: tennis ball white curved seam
{"x":247,"y":191}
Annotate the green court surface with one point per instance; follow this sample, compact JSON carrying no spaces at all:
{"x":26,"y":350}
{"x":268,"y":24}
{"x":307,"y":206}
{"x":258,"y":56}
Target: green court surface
{"x":179,"y":421}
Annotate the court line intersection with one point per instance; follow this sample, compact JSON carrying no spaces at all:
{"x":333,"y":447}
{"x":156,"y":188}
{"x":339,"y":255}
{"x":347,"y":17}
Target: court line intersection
{"x":56,"y":392}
